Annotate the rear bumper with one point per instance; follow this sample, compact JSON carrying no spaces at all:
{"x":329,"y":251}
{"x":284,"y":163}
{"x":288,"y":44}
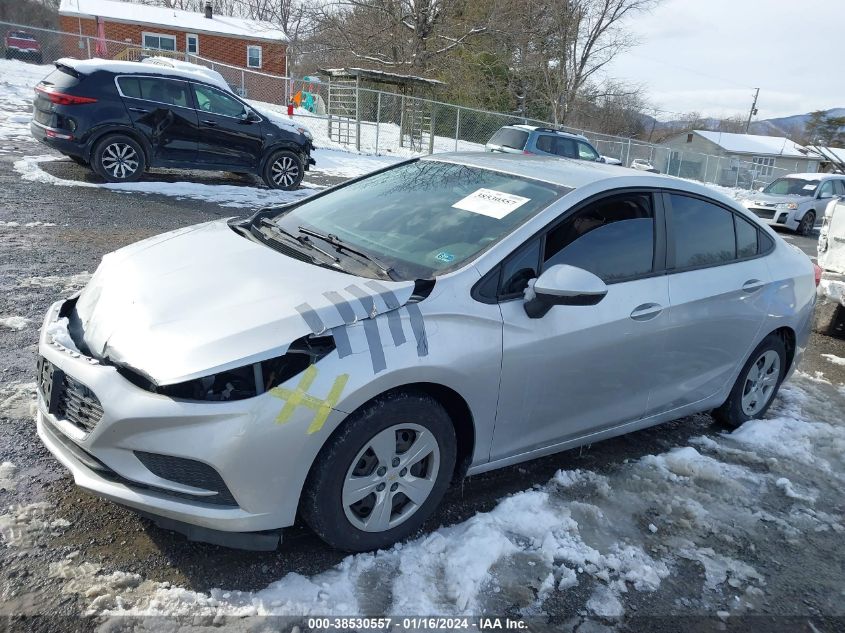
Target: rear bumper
{"x":52,"y":138}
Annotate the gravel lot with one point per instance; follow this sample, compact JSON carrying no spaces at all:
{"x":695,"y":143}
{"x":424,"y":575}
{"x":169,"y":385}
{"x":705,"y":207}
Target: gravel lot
{"x":47,"y":519}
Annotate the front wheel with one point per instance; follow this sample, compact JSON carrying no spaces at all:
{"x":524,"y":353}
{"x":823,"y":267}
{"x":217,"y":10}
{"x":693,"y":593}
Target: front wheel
{"x":757,"y":384}
{"x":807,"y":224}
{"x":284,"y":170}
{"x":118,"y":158}
{"x":382,"y":474}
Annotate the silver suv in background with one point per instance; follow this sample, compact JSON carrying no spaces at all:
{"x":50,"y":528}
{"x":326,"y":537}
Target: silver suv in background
{"x":543,"y":141}
{"x":796,"y":201}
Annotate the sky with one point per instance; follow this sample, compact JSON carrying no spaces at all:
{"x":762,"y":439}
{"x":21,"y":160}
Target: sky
{"x":708,"y":56}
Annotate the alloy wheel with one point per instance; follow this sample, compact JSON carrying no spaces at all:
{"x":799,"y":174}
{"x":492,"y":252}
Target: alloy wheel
{"x":391,"y":477}
{"x":808,"y":223}
{"x":120,"y":160}
{"x":760,"y":382}
{"x":284,"y":171}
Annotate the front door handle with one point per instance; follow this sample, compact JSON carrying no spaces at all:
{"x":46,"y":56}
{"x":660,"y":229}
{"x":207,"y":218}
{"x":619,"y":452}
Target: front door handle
{"x":209,"y":123}
{"x":139,"y":110}
{"x":646,"y":311}
{"x":752,"y":285}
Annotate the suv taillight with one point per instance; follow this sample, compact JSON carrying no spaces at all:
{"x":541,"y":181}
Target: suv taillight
{"x":60,"y":98}
{"x":818,"y":271}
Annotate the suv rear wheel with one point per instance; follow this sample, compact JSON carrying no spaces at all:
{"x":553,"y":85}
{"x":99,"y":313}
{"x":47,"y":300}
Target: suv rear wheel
{"x":118,"y":158}
{"x":284,"y":170}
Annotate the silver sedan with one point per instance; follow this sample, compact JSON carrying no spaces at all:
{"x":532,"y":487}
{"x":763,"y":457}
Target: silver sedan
{"x":348,"y":356}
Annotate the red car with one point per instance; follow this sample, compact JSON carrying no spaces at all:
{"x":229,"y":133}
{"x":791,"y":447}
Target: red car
{"x":23,"y":45}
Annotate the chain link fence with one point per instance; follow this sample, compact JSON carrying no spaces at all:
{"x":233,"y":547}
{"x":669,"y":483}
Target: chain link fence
{"x":343,"y":115}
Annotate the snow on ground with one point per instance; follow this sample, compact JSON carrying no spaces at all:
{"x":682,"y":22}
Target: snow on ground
{"x":67,"y":283}
{"x":833,"y":358}
{"x":610,"y":535}
{"x":17,"y":80}
{"x":28,"y":225}
{"x":18,"y":400}
{"x":14,"y":322}
{"x":7,"y":476}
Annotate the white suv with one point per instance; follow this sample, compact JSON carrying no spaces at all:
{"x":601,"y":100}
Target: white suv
{"x":796,"y":201}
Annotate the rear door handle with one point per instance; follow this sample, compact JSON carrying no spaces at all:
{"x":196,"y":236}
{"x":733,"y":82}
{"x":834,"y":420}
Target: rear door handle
{"x":646,"y":311}
{"x":209,"y":123}
{"x":752,"y":285}
{"x":141,"y":110}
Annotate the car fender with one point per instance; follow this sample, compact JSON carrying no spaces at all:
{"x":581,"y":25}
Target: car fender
{"x":279,"y":145}
{"x":128,"y":130}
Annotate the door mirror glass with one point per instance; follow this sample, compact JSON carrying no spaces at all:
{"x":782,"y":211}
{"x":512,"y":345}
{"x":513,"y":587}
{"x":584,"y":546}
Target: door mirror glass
{"x":563,"y":285}
{"x":250,"y":117}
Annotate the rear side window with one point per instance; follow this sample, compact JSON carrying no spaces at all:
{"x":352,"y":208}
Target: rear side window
{"x":509,"y":137}
{"x":704,"y":232}
{"x":746,"y":238}
{"x":612,"y":238}
{"x":166,"y":91}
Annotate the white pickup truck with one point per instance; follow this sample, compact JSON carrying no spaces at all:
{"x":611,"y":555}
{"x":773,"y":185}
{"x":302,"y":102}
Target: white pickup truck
{"x":830,"y":308}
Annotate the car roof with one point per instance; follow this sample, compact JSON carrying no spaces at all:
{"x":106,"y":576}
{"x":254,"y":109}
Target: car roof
{"x":537,"y":128}
{"x":565,"y":172}
{"x":814,"y":176}
{"x":117,"y":67}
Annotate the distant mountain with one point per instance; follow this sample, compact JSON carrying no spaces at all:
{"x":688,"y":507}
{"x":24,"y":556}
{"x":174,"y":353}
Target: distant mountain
{"x":779,"y":126}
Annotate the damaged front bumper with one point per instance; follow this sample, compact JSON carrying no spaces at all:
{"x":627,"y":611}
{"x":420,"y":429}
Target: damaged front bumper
{"x":200,"y":466}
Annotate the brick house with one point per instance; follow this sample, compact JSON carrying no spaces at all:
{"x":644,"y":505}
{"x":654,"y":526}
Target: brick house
{"x":133,"y":28}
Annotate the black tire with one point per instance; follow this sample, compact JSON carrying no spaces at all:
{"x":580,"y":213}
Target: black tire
{"x":807,"y":224}
{"x":732,"y":413}
{"x":107,"y":155}
{"x":284,"y":170}
{"x":322,"y":504}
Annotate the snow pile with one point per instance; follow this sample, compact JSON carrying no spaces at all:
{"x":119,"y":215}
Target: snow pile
{"x":832,"y":290}
{"x":18,"y":401}
{"x":67,"y":283}
{"x":833,"y":358}
{"x":27,"y":225}
{"x":7,"y":476}
{"x":14,"y":322}
{"x":17,"y":80}
{"x":22,"y":525}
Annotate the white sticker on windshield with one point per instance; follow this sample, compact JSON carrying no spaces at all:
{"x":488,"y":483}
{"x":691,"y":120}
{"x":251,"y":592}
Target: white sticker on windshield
{"x":809,"y":187}
{"x":492,"y":203}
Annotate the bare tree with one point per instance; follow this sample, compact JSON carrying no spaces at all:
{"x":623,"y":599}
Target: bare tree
{"x":581,"y":38}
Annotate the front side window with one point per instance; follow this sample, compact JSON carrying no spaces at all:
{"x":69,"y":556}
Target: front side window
{"x":159,"y":42}
{"x":510,"y":138}
{"x":253,"y":56}
{"x":425,"y":216}
{"x":168,"y":91}
{"x":826,"y":190}
{"x":586,"y":152}
{"x":217,"y":102}
{"x":612,"y":238}
{"x":704,"y":232}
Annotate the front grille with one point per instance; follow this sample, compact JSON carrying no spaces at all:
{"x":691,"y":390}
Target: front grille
{"x":188,"y":472}
{"x":766,"y":214}
{"x":67,"y":398}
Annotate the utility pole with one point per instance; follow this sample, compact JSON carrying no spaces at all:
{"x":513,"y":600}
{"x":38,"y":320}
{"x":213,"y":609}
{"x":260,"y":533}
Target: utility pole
{"x":753,"y":110}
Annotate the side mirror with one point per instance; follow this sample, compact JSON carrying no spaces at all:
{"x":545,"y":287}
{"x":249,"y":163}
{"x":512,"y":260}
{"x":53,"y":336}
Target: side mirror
{"x":760,"y":188}
{"x":564,"y":285}
{"x":250,"y":117}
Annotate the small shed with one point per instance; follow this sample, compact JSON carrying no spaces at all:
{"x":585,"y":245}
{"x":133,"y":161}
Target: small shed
{"x":362,"y":95}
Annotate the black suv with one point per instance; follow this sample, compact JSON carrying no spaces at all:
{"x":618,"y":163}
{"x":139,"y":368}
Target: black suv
{"x":123,"y":117}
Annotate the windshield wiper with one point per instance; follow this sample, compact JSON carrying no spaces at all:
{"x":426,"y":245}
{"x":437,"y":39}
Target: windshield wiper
{"x":275,"y":228}
{"x":341,"y":246}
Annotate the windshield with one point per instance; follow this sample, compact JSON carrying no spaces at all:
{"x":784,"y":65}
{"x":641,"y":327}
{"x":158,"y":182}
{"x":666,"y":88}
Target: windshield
{"x":422,"y":217}
{"x":792,"y":187}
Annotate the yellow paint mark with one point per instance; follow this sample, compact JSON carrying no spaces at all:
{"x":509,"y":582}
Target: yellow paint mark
{"x":300,"y":397}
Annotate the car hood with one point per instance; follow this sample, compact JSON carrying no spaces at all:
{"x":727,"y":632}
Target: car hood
{"x":769,"y":199}
{"x":204,"y":299}
{"x":279,"y":120}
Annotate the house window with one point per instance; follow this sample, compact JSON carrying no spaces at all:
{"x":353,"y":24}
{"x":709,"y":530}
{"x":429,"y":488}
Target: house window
{"x":763,"y":165}
{"x":159,"y":41}
{"x":192,"y":44}
{"x":253,"y":56}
